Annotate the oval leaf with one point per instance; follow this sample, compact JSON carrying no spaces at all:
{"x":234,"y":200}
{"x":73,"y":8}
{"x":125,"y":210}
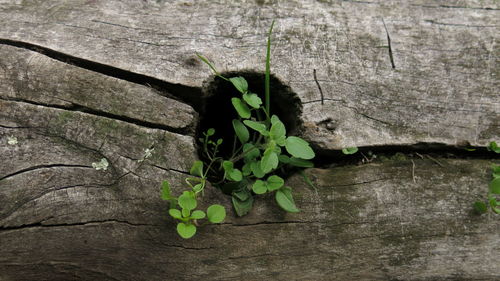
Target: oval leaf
{"x":256,"y":170}
{"x":239,"y":83}
{"x":480,"y":207}
{"x":216,"y":213}
{"x":495,"y":186}
{"x":259,"y":127}
{"x":187,"y":201}
{"x":269,"y":162}
{"x":349,"y":150}
{"x":186,"y":231}
{"x":197,"y":168}
{"x":241,"y":131}
{"x":274,"y":182}
{"x":259,"y":187}
{"x":278,"y":131}
{"x":285,"y":200}
{"x":242,"y":207}
{"x":235,"y":175}
{"x":299,"y":148}
{"x":241,"y":108}
{"x":165,"y":191}
{"x":198,"y":215}
{"x":252,"y":99}
{"x":251,"y":152}
{"x":176,"y":214}
{"x":297,"y":162}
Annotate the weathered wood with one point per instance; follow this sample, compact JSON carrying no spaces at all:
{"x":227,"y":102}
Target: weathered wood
{"x":400,"y":219}
{"x":444,"y":87}
{"x":34,"y":78}
{"x":370,"y":222}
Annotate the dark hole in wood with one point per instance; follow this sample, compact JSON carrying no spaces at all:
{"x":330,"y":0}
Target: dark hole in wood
{"x":219,"y":112}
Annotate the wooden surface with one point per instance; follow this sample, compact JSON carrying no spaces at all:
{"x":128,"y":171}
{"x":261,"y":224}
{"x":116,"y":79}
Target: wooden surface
{"x":444,"y":87}
{"x":85,"y":80}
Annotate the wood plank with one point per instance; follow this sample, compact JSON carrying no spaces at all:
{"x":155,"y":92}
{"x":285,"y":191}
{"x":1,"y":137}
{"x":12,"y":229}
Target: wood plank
{"x":387,"y":220}
{"x":443,"y":88}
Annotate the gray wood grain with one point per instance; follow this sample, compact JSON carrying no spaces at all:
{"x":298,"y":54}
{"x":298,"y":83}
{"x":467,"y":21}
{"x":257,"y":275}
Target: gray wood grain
{"x":393,"y":219}
{"x":444,"y":87}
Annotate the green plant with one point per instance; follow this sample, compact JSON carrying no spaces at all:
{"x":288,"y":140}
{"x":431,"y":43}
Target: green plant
{"x":261,"y":154}
{"x":187,"y":215}
{"x":493,"y":188}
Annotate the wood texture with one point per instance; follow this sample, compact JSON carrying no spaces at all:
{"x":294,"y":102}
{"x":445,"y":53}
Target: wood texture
{"x":444,"y":87}
{"x":85,"y":80}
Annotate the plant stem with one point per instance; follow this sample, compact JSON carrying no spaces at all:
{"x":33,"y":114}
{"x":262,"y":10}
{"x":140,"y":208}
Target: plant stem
{"x":268,"y":72}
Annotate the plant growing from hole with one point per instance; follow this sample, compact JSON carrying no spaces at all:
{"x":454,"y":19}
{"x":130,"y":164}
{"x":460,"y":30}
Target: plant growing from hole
{"x":493,"y":188}
{"x":261,"y":152}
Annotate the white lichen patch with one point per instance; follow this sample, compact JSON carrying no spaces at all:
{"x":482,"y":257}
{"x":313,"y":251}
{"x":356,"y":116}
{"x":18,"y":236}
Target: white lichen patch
{"x":147,"y":153}
{"x":102,"y":165}
{"x":12,"y":140}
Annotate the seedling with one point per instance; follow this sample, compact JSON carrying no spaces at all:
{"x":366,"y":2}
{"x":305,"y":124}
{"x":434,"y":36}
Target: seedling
{"x":261,"y":153}
{"x":493,"y":188}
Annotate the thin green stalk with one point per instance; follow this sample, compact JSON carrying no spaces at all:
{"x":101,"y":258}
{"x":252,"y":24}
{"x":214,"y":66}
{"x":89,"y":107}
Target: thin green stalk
{"x":268,"y":73}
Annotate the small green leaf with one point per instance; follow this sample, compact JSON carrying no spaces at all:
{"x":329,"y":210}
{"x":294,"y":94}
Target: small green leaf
{"x":495,"y":186}
{"x":297,"y":162}
{"x":186,"y":231}
{"x":251,"y":152}
{"x":256,"y":170}
{"x":235,"y":175}
{"x":241,"y":131}
{"x":274,"y":182}
{"x":187,"y":200}
{"x":285,"y":200}
{"x":242,"y":194}
{"x":198,"y":187}
{"x":299,"y":148}
{"x":269,"y":162}
{"x":242,"y":207}
{"x":176,"y":214}
{"x":216,"y":213}
{"x":350,"y":150}
{"x":259,"y":187}
{"x":493,"y":201}
{"x":278,"y":131}
{"x":198,"y":215}
{"x":257,"y":126}
{"x":240,"y":84}
{"x":241,"y":108}
{"x":231,"y":173}
{"x":494,"y":147}
{"x":165,"y":191}
{"x":186,"y":213}
{"x":197,"y":168}
{"x":246,"y":170}
{"x":284,"y":159}
{"x":480,"y":207}
{"x":227,"y":165}
{"x":210,"y":132}
{"x":252,"y":99}
{"x":496,"y":171}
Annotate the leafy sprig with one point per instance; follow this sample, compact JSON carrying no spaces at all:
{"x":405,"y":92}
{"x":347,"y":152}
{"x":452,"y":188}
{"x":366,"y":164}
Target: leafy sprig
{"x":493,"y":188}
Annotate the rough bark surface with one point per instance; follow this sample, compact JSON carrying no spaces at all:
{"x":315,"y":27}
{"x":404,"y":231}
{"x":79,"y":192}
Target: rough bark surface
{"x":82,"y":81}
{"x":437,"y":80}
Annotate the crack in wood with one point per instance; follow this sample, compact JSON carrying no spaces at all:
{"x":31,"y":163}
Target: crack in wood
{"x":183,"y":93}
{"x":319,"y":87}
{"x":99,"y":113}
{"x":87,"y":223}
{"x":389,"y":44}
{"x":49,"y":166}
